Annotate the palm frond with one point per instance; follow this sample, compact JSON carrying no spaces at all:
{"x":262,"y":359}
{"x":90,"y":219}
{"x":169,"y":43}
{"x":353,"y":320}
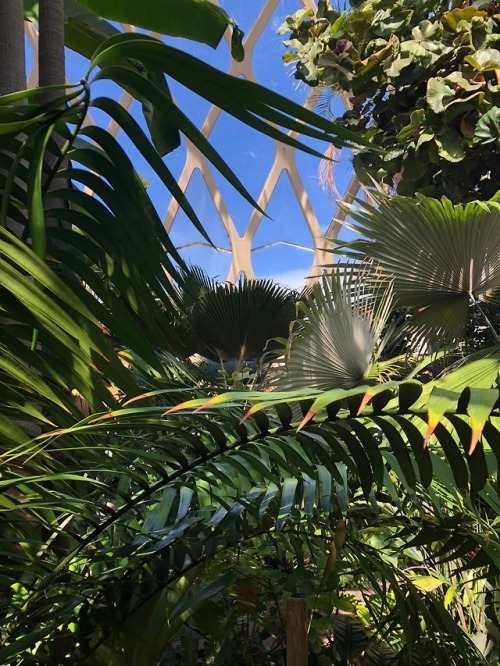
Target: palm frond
{"x":442,"y":257}
{"x":338,"y":341}
{"x":240,"y":321}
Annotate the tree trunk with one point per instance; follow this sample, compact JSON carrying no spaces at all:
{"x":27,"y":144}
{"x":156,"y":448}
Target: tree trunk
{"x":12,"y":71}
{"x":296,"y":632}
{"x":52,"y":71}
{"x":51,"y":62}
{"x":12,"y":58}
{"x":12,"y":79}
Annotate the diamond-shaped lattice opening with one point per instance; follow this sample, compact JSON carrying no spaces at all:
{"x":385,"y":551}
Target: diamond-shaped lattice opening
{"x":250,"y":156}
{"x":286,"y":265}
{"x":287,"y":223}
{"x":186,"y":237}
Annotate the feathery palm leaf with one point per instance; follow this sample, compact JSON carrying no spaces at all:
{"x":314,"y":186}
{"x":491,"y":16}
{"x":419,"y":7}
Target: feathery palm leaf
{"x":128,"y":504}
{"x":423,"y":416}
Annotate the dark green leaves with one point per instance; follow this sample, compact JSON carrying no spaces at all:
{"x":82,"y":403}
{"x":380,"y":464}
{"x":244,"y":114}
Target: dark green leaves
{"x":193,"y":19}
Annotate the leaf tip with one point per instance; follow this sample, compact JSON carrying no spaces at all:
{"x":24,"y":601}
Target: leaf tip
{"x":366,"y":399}
{"x":310,"y":414}
{"x":476,"y":434}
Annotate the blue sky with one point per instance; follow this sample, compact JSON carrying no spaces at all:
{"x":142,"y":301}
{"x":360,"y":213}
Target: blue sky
{"x":249,"y":155}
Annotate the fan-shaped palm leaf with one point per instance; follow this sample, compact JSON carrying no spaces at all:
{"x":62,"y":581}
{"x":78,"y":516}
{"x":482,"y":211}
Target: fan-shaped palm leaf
{"x":238,"y":321}
{"x":338,"y":342}
{"x":443,"y":257}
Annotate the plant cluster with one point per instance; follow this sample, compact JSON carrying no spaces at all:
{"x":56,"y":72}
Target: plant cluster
{"x":421,"y":80}
{"x":149,"y":518}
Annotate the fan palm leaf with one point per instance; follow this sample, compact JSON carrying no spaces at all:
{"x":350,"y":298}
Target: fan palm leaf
{"x":442,"y":257}
{"x":238,"y":322}
{"x":338,"y":341}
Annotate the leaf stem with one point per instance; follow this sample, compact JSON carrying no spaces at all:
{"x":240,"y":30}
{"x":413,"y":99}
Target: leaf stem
{"x":488,"y":322}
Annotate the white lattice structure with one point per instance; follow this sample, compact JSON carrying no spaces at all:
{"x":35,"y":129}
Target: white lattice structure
{"x":241,"y":244}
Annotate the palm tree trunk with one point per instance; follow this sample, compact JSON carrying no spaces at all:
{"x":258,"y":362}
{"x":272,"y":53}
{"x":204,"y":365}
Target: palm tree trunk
{"x":12,"y":79}
{"x":51,"y":61}
{"x":12,"y":68}
{"x":12,"y":58}
{"x":52,"y":71}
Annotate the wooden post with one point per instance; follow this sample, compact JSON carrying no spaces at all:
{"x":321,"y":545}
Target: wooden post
{"x":296,"y":631}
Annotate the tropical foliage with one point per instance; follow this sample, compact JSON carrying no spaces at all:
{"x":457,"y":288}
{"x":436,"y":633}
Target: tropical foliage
{"x":118,"y":232}
{"x":137,"y":537}
{"x":421,"y":80}
{"x":340,"y":339}
{"x":75,"y":295}
{"x":443,"y":258}
{"x":233,"y":323}
{"x":136,"y":530}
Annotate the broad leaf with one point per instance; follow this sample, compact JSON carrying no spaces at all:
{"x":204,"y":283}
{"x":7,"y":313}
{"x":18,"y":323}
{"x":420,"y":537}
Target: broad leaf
{"x":193,"y":19}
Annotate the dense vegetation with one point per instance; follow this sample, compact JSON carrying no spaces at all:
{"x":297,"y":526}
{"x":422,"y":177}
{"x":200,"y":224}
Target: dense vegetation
{"x":148,"y":517}
{"x":422,"y":82}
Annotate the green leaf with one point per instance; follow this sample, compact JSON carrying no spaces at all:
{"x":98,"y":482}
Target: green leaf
{"x":398,"y":65}
{"x":476,"y":373}
{"x":488,"y":128}
{"x":484,"y":60}
{"x":467,"y":14}
{"x":129,"y":78}
{"x":287,"y":500}
{"x":31,"y":9}
{"x":480,"y":405}
{"x":237,"y":49}
{"x":199,"y":20}
{"x":421,"y":454}
{"x":476,"y":459}
{"x":440,"y":402}
{"x":135,"y":133}
{"x":450,"y":146}
{"x":164,"y":134}
{"x":459,"y":79}
{"x":440,"y":94}
{"x":399,"y":449}
{"x":427,"y":583}
{"x":416,"y":118}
